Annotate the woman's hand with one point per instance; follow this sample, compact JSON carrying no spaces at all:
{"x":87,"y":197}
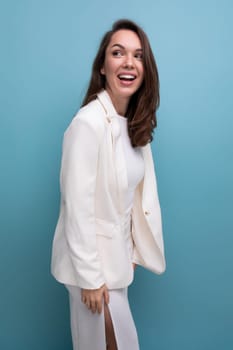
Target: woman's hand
{"x":93,"y":298}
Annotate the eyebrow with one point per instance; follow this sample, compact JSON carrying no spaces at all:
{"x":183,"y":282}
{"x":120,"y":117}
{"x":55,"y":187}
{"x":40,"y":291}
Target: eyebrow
{"x":123,"y":48}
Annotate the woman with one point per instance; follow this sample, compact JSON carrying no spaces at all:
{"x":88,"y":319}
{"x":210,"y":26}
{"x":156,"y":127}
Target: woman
{"x":110,"y":215}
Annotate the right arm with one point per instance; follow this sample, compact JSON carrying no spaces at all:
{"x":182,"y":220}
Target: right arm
{"x":78,"y":181}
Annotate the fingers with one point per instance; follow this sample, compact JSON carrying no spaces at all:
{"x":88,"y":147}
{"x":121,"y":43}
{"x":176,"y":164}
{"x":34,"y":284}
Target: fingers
{"x":90,"y":304}
{"x":99,"y":305}
{"x":93,"y":306}
{"x":93,"y":299}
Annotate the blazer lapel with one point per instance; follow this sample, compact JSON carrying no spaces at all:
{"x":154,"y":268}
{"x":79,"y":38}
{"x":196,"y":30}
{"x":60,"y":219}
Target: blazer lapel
{"x":114,"y":132}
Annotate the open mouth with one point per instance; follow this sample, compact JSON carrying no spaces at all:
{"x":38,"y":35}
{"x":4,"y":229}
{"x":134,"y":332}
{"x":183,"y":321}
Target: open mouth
{"x":126,"y":77}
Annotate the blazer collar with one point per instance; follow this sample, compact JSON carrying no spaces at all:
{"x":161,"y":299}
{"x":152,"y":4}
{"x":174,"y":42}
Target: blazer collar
{"x":106,"y":103}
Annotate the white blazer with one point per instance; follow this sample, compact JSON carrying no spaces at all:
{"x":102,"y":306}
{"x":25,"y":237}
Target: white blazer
{"x":89,"y":247}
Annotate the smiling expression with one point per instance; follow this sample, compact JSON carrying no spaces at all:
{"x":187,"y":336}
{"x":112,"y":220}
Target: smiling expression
{"x":123,"y":67}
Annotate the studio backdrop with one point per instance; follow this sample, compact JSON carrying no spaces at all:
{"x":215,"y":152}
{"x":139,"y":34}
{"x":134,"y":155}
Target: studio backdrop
{"x":47,"y":48}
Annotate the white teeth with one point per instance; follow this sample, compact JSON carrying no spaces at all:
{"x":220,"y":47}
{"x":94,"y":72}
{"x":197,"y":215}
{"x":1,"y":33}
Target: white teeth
{"x":127,"y":76}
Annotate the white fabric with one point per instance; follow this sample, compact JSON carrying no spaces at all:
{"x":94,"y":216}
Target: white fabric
{"x":89,"y":241}
{"x":135,"y":172}
{"x":134,"y":163}
{"x":88,"y":329}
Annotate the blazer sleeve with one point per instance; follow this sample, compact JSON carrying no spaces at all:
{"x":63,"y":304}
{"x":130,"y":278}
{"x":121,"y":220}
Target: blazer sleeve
{"x":78,"y":182}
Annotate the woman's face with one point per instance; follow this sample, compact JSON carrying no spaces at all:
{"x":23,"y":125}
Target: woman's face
{"x":123,"y":65}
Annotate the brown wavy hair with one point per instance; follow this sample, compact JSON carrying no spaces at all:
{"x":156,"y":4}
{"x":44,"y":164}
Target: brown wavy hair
{"x":141,"y":111}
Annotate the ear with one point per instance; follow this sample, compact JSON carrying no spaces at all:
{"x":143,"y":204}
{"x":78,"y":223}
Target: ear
{"x":102,"y":71}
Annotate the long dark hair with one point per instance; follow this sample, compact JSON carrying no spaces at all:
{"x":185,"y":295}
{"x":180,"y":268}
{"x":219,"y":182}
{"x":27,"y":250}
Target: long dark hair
{"x":141,"y":111}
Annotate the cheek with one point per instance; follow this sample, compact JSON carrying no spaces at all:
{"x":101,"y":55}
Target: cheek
{"x":112,"y":66}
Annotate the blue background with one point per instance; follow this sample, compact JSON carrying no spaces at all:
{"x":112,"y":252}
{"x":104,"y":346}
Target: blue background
{"x":47,"y":48}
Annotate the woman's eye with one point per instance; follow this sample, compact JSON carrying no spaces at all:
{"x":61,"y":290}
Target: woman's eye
{"x":117,"y":53}
{"x":139,"y":56}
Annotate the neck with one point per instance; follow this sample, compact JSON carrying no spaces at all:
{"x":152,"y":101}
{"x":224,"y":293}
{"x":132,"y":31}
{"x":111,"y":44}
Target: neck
{"x":120,"y":103}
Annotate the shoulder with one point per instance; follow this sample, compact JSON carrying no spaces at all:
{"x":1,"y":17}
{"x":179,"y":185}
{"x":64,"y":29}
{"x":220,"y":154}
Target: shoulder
{"x":92,"y":116}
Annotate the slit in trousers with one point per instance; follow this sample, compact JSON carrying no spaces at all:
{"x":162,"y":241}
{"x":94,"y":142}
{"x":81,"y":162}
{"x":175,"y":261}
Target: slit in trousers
{"x":88,"y":329}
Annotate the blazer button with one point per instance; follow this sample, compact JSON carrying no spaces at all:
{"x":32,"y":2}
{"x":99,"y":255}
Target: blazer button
{"x":108,"y":119}
{"x":147,"y":213}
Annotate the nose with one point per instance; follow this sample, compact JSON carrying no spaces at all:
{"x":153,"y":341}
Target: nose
{"x":128,"y":63}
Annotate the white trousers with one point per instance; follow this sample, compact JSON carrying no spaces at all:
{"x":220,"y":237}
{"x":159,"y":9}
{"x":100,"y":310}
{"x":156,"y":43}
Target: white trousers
{"x":88,"y":329}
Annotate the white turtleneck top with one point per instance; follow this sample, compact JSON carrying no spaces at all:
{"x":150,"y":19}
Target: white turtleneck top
{"x":135,"y":172}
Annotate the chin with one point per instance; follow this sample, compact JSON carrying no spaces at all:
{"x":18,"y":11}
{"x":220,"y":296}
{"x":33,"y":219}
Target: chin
{"x":128,"y":92}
